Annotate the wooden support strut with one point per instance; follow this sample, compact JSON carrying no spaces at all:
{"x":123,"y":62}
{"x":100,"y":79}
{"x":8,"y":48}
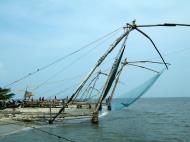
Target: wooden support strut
{"x":110,"y":79}
{"x":115,"y":85}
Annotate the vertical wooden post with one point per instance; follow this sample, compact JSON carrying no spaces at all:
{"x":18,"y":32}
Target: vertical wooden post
{"x":95,"y":117}
{"x":50,"y":111}
{"x":13,"y":111}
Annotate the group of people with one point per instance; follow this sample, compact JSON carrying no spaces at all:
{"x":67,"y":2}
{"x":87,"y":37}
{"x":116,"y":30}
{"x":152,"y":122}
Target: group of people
{"x":10,"y":103}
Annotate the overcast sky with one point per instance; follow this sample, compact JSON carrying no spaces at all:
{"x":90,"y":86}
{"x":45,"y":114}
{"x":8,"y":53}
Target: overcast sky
{"x":36,"y":32}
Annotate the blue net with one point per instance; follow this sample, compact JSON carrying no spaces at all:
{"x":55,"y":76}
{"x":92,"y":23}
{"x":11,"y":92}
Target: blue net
{"x":137,"y":92}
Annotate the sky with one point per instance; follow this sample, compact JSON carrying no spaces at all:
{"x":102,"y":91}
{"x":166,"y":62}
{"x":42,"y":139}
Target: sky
{"x":34,"y":33}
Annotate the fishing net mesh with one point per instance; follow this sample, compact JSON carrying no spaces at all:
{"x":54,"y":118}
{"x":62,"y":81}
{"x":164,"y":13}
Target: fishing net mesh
{"x":137,"y":92}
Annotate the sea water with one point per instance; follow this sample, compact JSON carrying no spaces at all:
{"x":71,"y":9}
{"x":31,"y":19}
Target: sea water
{"x":147,"y":120}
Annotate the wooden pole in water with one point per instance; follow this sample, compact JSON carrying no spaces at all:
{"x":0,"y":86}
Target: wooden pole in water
{"x":114,"y":87}
{"x":50,"y":111}
{"x":13,"y":111}
{"x":110,"y":79}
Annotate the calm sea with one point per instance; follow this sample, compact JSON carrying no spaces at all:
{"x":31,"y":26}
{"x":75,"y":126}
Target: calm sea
{"x":147,"y":120}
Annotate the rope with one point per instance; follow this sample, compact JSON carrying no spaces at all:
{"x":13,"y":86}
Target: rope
{"x":172,"y":53}
{"x":60,"y":137}
{"x":46,"y":81}
{"x":60,"y":59}
{"x":66,"y":90}
{"x":73,"y":62}
{"x":143,"y":67}
{"x":55,"y":135}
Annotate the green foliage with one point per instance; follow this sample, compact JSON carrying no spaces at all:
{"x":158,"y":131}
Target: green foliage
{"x":5,"y":94}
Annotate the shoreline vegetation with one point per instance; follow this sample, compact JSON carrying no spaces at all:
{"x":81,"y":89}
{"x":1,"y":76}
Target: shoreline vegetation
{"x":6,"y":94}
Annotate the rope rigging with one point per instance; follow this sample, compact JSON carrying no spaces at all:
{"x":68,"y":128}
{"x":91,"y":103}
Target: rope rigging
{"x":74,"y":61}
{"x":94,"y":80}
{"x":60,"y":59}
{"x":173,"y":52}
{"x":143,"y":67}
{"x":61,"y":80}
